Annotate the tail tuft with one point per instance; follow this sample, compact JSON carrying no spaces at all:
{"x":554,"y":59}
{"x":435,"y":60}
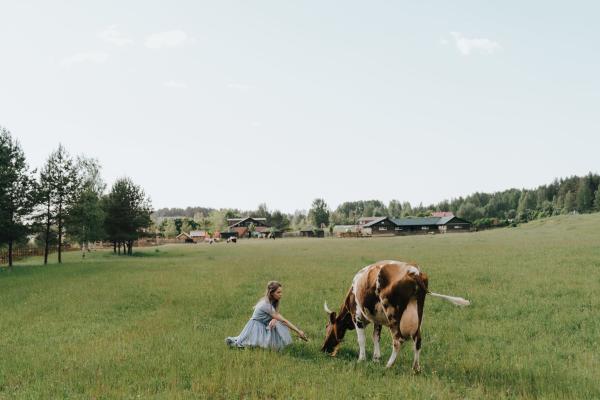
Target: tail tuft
{"x":459,"y":301}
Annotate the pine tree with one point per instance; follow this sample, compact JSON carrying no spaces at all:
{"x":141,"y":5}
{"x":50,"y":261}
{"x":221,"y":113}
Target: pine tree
{"x":127,"y":214}
{"x":46,"y":214}
{"x":63,"y":182}
{"x":569,"y":203}
{"x":17,"y":192}
{"x":584,"y":197}
{"x":597,"y":200}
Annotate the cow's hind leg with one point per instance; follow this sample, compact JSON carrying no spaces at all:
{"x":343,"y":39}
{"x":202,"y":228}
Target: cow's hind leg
{"x":376,"y":337}
{"x":397,"y":343}
{"x":417,"y":349}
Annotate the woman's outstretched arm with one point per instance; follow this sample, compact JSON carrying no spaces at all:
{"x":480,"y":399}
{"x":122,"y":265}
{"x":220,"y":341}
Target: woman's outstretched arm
{"x":278,"y":317}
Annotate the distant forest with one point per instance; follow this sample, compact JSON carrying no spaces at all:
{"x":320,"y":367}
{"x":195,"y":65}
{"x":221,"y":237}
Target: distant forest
{"x":562,"y":196}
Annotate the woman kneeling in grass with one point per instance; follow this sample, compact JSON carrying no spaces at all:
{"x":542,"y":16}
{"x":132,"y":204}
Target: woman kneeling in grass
{"x":267,"y":328}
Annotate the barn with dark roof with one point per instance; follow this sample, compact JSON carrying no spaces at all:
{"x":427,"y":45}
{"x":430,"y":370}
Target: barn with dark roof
{"x":419,"y":225}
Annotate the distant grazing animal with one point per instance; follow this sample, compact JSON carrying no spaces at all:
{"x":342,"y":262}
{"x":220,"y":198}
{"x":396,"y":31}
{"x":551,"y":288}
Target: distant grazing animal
{"x":390,"y":293}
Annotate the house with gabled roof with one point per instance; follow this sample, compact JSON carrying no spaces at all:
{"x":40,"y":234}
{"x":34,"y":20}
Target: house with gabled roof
{"x":199,"y":235}
{"x":452,"y":223}
{"x":184,"y":237}
{"x":241,"y":225}
{"x":378,"y":226}
{"x":367,"y":220}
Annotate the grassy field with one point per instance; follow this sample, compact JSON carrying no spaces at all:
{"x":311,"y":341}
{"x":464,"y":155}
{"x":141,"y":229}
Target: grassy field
{"x":153,"y":325}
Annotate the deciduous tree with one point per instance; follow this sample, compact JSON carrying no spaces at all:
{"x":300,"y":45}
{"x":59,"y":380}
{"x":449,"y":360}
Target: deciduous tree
{"x":319,"y":213}
{"x":85,"y":216}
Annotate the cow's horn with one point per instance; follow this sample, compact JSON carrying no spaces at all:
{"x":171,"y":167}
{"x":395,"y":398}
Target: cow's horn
{"x":327,"y":310}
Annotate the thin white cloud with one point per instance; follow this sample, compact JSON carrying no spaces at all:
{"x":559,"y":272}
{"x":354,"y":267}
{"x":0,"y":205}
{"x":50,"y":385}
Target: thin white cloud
{"x":175,"y":84}
{"x":239,"y":86}
{"x":85,"y":57}
{"x":166,"y":39}
{"x":113,"y":36}
{"x":468,"y":46}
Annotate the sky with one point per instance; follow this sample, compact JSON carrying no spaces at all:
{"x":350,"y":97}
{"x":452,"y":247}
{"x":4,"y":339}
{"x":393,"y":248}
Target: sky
{"x":237,"y":103}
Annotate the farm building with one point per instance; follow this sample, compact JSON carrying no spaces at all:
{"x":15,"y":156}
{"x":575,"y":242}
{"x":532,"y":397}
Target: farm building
{"x":198,"y":236}
{"x":417,"y":225}
{"x":406,"y":226}
{"x":192,"y":237}
{"x":346,"y":230}
{"x":367,"y":220}
{"x":453,"y":224}
{"x":311,"y":231}
{"x":431,"y":225}
{"x":184,"y":237}
{"x":242,"y":225}
{"x":379,"y":226}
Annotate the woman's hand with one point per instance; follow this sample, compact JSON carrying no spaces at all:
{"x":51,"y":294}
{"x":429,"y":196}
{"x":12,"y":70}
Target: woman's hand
{"x":272,"y":323}
{"x":302,"y":336}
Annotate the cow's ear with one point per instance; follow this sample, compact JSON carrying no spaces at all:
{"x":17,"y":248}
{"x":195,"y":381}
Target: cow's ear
{"x":332,"y":317}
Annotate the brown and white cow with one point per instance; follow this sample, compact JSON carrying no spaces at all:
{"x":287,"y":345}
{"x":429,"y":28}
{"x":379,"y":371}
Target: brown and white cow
{"x":390,"y":293}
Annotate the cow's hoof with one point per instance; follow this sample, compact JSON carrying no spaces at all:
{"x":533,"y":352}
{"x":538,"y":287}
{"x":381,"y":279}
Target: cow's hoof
{"x":376,"y":359}
{"x":417,"y":370}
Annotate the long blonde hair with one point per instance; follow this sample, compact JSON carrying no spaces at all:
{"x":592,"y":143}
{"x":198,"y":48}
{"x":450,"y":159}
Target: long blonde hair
{"x":272,"y":287}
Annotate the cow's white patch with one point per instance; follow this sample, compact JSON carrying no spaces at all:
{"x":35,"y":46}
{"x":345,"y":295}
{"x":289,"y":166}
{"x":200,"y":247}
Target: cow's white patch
{"x":362,"y":355}
{"x":392,"y":359}
{"x":355,"y":282}
{"x":413,"y":270}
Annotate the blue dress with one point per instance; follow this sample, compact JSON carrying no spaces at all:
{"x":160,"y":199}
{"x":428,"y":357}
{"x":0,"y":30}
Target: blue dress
{"x":256,"y":333}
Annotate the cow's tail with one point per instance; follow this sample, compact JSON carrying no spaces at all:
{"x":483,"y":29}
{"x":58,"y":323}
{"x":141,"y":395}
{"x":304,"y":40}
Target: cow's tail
{"x":459,"y":301}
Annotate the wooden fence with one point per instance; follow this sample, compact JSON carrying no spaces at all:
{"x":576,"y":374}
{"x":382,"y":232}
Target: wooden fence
{"x":23,"y":252}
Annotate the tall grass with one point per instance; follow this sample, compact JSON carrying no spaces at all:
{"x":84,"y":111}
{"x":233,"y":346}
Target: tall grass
{"x":152,"y":326}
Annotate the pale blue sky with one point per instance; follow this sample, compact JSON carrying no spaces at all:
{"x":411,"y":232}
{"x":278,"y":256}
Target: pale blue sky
{"x":235,"y":103}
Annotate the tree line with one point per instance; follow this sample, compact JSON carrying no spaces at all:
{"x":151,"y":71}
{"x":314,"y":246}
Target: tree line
{"x":563,"y":196}
{"x":65,"y":198}
{"x":512,"y":206}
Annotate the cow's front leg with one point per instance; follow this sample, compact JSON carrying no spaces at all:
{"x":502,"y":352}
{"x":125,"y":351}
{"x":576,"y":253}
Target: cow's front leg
{"x":376,"y":337}
{"x":360,"y":332}
{"x":397,"y":341}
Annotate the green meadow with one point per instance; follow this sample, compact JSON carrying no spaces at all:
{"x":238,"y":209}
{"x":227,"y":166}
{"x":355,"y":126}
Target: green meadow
{"x":153,"y":325}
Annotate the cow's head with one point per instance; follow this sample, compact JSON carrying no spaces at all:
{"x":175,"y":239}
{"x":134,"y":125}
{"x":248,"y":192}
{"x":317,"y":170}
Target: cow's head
{"x":335,"y":331}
